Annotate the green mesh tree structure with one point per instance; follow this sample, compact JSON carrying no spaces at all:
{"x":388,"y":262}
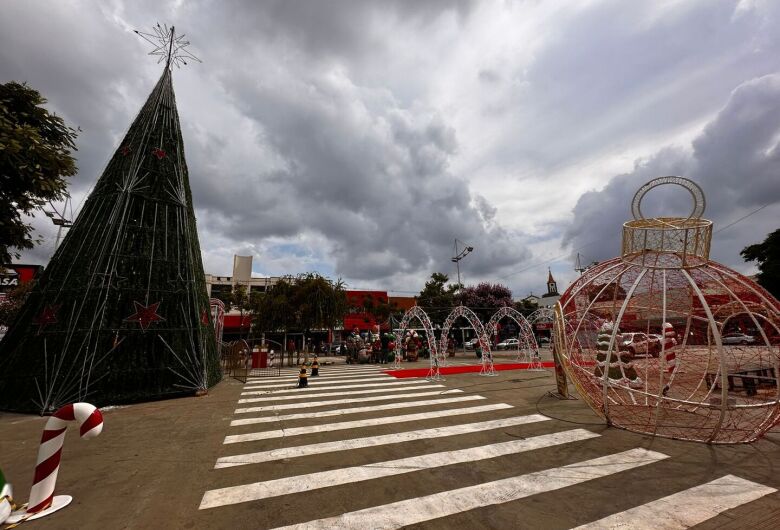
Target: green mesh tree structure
{"x":121,"y":312}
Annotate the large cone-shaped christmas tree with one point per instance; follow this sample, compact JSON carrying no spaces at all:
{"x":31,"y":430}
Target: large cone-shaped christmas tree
{"x":121,"y":312}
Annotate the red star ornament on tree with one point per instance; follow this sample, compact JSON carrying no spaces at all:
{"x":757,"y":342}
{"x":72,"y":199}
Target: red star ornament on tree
{"x":159,"y":153}
{"x":47,"y":316}
{"x":126,"y":150}
{"x":145,"y":315}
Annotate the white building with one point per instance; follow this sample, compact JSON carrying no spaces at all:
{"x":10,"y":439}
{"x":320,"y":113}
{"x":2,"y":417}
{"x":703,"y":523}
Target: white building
{"x":242,"y":275}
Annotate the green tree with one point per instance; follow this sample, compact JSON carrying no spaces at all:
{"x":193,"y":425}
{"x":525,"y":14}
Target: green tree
{"x":302,"y":303}
{"x":525,"y":307}
{"x":35,"y":158}
{"x":767,"y":256}
{"x":437,"y":298}
{"x":321,"y":303}
{"x":239,"y":299}
{"x":11,"y":304}
{"x":274,"y":309}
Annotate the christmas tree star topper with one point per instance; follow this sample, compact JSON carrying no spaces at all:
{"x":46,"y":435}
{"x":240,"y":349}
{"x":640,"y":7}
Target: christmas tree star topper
{"x":167,"y":45}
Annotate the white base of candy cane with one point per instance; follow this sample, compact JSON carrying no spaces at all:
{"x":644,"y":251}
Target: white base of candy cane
{"x":5,"y":504}
{"x":58,"y":503}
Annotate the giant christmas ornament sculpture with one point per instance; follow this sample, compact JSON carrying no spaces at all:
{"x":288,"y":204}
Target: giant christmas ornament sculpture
{"x":663,"y":341}
{"x":118,"y":315}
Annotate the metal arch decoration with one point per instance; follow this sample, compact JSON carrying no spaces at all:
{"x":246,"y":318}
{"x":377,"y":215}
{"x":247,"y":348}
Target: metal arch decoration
{"x":699,"y":202}
{"x":476,"y":323}
{"x":528,"y":348}
{"x":217,"y":309}
{"x":418,"y":313}
{"x":543,"y":314}
{"x":473,"y":319}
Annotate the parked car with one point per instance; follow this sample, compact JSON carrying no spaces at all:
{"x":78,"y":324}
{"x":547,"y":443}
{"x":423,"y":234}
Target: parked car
{"x":472,"y":343}
{"x":508,"y":344}
{"x":636,"y":343}
{"x":738,"y":338}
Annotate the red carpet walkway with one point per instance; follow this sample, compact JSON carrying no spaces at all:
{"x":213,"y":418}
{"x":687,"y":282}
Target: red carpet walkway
{"x":422,"y":372}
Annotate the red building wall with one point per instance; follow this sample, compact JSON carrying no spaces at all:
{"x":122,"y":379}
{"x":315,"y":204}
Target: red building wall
{"x":356,"y":314}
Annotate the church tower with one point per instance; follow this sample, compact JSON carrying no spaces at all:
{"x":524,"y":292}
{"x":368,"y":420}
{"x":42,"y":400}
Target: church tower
{"x":552,"y":287}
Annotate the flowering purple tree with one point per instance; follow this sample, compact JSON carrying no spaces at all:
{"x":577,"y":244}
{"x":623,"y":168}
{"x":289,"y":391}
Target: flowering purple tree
{"x":485,"y":298}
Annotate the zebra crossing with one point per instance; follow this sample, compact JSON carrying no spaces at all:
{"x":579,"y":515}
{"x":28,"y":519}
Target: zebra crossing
{"x":398,"y":417}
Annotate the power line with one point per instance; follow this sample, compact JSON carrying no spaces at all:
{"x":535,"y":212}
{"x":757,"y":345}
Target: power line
{"x":743,"y":218}
{"x":552,"y":260}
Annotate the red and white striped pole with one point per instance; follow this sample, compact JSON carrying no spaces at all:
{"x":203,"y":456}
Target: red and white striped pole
{"x":42,"y":500}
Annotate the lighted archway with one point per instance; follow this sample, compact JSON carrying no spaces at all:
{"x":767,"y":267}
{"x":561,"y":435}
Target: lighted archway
{"x":422,"y":316}
{"x":525,"y":334}
{"x":543,"y":315}
{"x":473,"y":319}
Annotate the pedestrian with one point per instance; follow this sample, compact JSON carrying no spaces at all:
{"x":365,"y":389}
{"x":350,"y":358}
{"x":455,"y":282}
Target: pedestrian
{"x":290,"y":350}
{"x":303,"y":378}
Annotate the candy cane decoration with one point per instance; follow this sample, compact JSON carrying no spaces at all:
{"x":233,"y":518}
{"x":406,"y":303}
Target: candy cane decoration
{"x":48,"y":464}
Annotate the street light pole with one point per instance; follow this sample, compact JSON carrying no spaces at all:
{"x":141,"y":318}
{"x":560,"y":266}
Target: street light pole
{"x":467,"y":249}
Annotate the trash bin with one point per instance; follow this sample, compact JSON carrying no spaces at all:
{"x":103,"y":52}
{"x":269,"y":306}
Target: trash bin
{"x":263,"y":359}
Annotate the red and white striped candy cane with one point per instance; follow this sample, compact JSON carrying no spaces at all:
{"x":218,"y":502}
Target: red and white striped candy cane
{"x":90,"y":425}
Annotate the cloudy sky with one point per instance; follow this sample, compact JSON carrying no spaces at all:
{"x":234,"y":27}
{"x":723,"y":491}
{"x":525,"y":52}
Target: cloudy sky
{"x":361,"y":138}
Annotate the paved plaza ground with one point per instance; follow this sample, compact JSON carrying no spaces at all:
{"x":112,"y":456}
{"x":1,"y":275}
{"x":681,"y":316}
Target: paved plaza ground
{"x":362,"y":449}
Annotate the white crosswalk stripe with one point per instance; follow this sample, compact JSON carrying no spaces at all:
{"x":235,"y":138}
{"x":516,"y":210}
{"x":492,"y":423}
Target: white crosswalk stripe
{"x":267,"y":403}
{"x":354,"y":410}
{"x":420,"y":509}
{"x":686,"y":508}
{"x":329,"y":368}
{"x":281,"y":453}
{"x":325,"y":371}
{"x":313,"y":381}
{"x":312,"y":481}
{"x":340,"y":387}
{"x":385,"y":420}
{"x":302,"y":394}
{"x":330,"y":402}
{"x":321,"y":377}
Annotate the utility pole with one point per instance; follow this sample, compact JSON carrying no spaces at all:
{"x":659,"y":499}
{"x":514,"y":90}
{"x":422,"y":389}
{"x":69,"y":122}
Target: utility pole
{"x":459,"y":255}
{"x":578,"y":266}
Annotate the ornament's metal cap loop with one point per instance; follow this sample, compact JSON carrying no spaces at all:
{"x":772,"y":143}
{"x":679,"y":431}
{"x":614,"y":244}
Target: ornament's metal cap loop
{"x":699,"y":202}
{"x":668,"y":242}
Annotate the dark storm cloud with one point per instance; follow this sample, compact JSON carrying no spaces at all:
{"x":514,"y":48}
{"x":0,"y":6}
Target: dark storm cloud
{"x":72,"y":68}
{"x":336,"y":27}
{"x":364,"y":171}
{"x":613,"y":73}
{"x":333,"y":134}
{"x":736,"y":160}
{"x":369,"y":176}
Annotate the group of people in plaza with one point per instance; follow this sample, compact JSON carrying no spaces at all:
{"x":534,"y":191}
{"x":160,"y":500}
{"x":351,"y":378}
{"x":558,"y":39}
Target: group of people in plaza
{"x":380,"y":349}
